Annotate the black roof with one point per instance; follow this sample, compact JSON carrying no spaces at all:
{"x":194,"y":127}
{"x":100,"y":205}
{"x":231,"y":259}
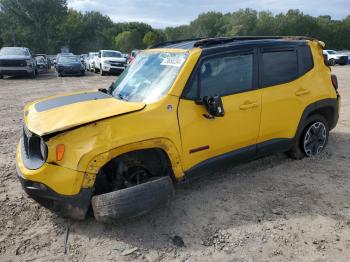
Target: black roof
{"x":220,"y":41}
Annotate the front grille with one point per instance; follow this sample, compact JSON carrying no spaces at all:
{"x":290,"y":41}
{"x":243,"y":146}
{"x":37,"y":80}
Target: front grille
{"x":117,"y":64}
{"x":34,"y":151}
{"x":12,"y":63}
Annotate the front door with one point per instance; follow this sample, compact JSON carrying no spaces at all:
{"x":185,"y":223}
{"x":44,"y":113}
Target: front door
{"x":233,"y":78}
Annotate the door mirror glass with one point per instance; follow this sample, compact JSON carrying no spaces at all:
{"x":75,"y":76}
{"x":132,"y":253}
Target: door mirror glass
{"x":213,"y":105}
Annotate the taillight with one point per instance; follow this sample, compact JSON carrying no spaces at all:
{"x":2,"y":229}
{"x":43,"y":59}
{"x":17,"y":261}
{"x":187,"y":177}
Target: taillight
{"x":334,"y":81}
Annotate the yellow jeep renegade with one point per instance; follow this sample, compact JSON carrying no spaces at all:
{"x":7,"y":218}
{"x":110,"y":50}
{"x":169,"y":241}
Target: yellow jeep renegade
{"x":181,"y":108}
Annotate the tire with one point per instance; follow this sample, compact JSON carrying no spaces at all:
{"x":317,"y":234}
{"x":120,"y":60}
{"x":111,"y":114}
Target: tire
{"x":332,"y":62}
{"x":133,"y":201}
{"x":1,"y":77}
{"x":102,"y":73}
{"x":304,"y":146}
{"x":33,"y":74}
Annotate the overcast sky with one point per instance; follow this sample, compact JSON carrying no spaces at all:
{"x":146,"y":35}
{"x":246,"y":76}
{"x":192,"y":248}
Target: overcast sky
{"x":163,"y":13}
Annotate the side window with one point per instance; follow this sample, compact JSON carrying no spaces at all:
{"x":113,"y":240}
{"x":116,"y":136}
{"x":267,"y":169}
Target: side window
{"x":306,"y":59}
{"x":222,"y":75}
{"x":279,"y":67}
{"x":226,"y":75}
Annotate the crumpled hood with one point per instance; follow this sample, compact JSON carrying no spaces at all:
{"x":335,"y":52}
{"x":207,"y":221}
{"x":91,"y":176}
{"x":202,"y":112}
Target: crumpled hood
{"x":60,"y":113}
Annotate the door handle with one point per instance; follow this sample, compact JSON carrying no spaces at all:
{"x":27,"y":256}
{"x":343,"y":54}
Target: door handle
{"x":247,"y":105}
{"x":302,"y":92}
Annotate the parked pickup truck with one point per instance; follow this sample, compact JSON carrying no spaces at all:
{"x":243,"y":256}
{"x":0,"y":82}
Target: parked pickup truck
{"x":109,"y":61}
{"x":333,"y":57}
{"x":17,"y":61}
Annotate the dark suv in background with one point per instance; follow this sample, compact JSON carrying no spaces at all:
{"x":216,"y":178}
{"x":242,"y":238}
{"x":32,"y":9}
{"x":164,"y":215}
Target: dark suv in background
{"x":17,"y":61}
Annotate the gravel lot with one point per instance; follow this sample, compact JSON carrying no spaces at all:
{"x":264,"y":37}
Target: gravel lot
{"x":271,"y":209}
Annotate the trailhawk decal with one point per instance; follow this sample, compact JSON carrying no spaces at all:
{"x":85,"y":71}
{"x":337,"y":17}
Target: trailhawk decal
{"x":67,"y":100}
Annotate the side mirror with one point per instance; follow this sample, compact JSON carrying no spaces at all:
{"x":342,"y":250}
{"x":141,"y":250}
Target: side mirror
{"x":214,"y":106}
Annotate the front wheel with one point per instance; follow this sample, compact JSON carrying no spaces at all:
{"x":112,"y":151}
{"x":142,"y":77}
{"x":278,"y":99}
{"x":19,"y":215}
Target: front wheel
{"x":332,"y":62}
{"x":313,"y":139}
{"x":132,"y":201}
{"x":101,"y":71}
{"x":1,"y":76}
{"x":33,"y":74}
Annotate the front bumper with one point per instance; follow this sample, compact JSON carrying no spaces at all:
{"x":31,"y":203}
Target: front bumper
{"x":56,"y":188}
{"x":13,"y":71}
{"x":75,"y":207}
{"x":343,"y":60}
{"x":112,"y":69}
{"x":72,"y":72}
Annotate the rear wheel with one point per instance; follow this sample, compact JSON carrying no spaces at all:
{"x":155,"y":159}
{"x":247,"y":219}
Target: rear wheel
{"x":1,"y":76}
{"x":313,"y":139}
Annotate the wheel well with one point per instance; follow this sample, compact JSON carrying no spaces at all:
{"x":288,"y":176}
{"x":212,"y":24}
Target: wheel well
{"x":154,"y":160}
{"x":326,"y":112}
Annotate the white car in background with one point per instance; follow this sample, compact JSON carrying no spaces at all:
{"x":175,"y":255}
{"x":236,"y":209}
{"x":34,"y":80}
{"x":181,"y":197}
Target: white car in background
{"x":333,"y":57}
{"x":90,"y":61}
{"x":110,"y":61}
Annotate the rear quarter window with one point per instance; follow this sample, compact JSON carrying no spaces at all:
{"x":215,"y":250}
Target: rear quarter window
{"x":306,"y":59}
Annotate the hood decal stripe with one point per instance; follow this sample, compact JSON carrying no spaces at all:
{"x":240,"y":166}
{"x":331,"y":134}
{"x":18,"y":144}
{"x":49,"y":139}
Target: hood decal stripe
{"x":67,"y":100}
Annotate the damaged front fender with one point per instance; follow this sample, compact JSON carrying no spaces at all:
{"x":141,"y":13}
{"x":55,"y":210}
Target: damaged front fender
{"x":96,"y":163}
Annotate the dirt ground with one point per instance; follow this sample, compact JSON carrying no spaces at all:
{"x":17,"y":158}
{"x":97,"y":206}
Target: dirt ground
{"x":271,"y":209}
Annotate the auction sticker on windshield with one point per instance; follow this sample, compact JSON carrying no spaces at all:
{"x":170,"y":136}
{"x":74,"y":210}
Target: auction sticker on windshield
{"x":173,"y":61}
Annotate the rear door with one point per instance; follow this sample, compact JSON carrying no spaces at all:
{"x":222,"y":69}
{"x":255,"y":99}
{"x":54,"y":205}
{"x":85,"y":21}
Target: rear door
{"x":233,"y":77}
{"x":285,"y":92}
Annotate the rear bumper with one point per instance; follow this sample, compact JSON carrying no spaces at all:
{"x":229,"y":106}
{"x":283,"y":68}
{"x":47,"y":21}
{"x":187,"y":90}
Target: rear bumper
{"x":74,"y":207}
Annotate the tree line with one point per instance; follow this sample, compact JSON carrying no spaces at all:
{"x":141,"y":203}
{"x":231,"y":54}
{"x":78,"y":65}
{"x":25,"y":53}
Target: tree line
{"x":47,"y":25}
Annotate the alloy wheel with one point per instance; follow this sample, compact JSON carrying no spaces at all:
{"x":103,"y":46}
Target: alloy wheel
{"x":315,"y":139}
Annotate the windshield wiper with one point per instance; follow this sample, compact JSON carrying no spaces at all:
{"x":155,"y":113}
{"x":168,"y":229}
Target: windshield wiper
{"x":108,"y":90}
{"x":121,"y":97}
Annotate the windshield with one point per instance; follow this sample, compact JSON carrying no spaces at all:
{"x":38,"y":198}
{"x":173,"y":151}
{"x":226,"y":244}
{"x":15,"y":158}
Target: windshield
{"x":68,"y":59}
{"x":150,"y":76}
{"x":111,"y":54}
{"x":331,"y":52}
{"x":40,"y":59}
{"x":14,"y":51}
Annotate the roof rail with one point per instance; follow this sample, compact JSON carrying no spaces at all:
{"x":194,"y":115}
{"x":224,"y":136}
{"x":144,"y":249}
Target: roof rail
{"x":223,"y":40}
{"x":175,"y":42}
{"x":205,"y":42}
